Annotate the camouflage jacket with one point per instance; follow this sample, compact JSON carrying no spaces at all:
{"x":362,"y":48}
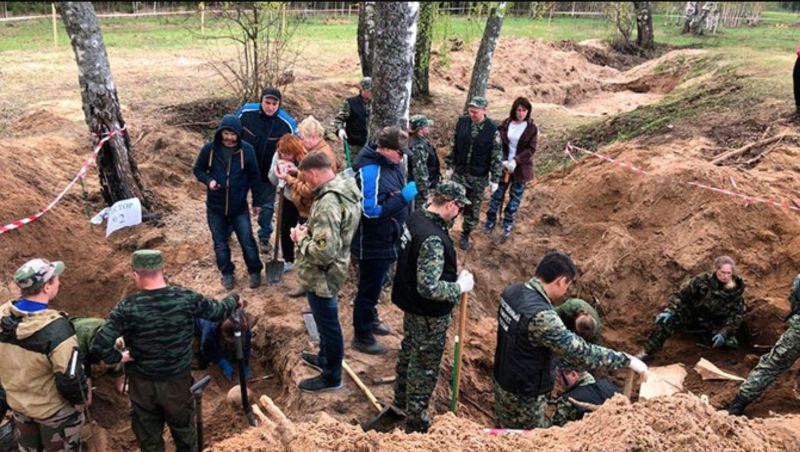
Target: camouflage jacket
{"x":340,"y":118}
{"x":705,"y":299}
{"x":324,"y":254}
{"x":794,"y":297}
{"x":86,"y":329}
{"x":430,"y":265}
{"x":546,"y":329}
{"x":496,"y":169}
{"x":418,"y":168}
{"x":565,"y":410}
{"x":158,"y":329}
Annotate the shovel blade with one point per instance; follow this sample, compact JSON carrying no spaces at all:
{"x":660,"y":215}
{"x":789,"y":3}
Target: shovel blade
{"x":387,"y":420}
{"x":311,"y":327}
{"x":274,"y":272}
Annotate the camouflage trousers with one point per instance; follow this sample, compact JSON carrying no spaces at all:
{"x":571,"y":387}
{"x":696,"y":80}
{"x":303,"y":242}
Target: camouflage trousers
{"x":476,"y":188}
{"x":779,"y":359}
{"x":517,"y":411}
{"x":418,"y":367}
{"x":59,"y":432}
{"x":683,"y":321}
{"x":155,"y":402}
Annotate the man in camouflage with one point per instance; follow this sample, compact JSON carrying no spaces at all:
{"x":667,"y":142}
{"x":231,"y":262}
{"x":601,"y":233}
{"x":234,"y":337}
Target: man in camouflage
{"x":711,"y":303}
{"x":157,"y":325}
{"x":581,"y":318}
{"x":426,"y":289}
{"x":582,"y":387}
{"x":530,"y":339}
{"x":782,"y":356}
{"x":36,"y":350}
{"x":423,"y":162}
{"x":323,"y":255}
{"x":475,"y":160}
{"x":352,"y":119}
{"x":86,"y":329}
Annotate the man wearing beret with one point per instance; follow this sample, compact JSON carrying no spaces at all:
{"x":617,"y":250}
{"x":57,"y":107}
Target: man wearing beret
{"x":36,"y":348}
{"x":426,"y":287}
{"x":475,"y":160}
{"x":157,"y":324}
{"x":350,"y":122}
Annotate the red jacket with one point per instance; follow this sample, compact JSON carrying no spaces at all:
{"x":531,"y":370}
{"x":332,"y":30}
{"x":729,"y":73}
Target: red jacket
{"x":525,"y":149}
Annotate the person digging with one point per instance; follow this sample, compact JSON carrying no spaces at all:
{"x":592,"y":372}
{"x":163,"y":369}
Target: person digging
{"x":217,"y":344}
{"x":581,"y":318}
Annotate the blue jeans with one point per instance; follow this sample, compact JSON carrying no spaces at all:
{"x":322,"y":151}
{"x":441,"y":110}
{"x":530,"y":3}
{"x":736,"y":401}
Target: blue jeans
{"x":515,"y":198}
{"x":331,"y":341}
{"x":220,"y":226}
{"x":267,"y":211}
{"x":371,"y":276}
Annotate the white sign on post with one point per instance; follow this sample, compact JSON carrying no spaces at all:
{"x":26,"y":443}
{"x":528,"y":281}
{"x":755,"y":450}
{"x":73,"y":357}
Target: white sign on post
{"x":122,"y":214}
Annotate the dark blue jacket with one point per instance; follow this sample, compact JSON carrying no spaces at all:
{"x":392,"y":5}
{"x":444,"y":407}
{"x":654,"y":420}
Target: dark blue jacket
{"x":263,"y":132}
{"x":383,"y":208}
{"x":235,"y":177}
{"x":213,"y":347}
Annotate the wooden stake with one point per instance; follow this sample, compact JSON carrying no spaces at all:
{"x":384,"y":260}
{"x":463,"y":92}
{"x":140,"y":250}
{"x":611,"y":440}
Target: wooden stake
{"x":745,"y":148}
{"x":202,"y":18}
{"x":460,"y":342}
{"x":55,"y":26}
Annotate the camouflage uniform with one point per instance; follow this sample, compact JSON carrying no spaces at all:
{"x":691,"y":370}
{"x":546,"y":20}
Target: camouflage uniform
{"x":568,"y":311}
{"x":158,"y":328}
{"x":702,"y":304}
{"x":586,"y":389}
{"x":782,"y":356}
{"x":86,"y":329}
{"x":59,"y":432}
{"x":547,"y":330}
{"x":340,"y":119}
{"x":420,"y":148}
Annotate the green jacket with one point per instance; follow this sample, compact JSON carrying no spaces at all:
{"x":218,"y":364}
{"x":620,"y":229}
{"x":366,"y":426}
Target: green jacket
{"x":324,"y":254}
{"x":705,"y":299}
{"x":86,"y":329}
{"x":568,"y":311}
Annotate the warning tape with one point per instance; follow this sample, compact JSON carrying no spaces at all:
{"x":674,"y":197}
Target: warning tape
{"x":748,"y":199}
{"x":81,"y":173}
{"x":505,"y":431}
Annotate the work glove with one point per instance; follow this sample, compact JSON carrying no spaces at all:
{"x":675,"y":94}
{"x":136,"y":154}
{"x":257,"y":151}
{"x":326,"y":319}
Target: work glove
{"x":493,"y":187}
{"x":448,"y":174}
{"x":663,"y":317}
{"x":409,"y":191}
{"x":511,"y":165}
{"x":342,"y":134}
{"x":466,"y":282}
{"x":226,"y":368}
{"x":637,"y":365}
{"x":718,"y":340}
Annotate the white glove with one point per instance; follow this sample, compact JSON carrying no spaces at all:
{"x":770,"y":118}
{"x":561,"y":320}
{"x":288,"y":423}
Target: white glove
{"x":511,"y":165}
{"x":448,"y":174}
{"x":493,"y":187}
{"x":505,"y":166}
{"x":466,"y":282}
{"x":342,"y":134}
{"x":637,"y":365}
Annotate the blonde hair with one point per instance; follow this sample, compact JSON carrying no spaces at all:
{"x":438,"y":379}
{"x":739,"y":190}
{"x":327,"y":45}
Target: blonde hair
{"x":310,"y":127}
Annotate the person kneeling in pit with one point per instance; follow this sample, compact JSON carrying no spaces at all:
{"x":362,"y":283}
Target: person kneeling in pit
{"x":218,"y":345}
{"x":581,"y":394}
{"x":581,"y":318}
{"x":710,"y":303}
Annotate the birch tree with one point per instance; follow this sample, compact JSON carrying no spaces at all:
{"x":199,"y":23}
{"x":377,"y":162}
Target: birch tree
{"x":366,"y":36}
{"x":422,"y":49}
{"x":644,"y":25}
{"x":483,"y":61}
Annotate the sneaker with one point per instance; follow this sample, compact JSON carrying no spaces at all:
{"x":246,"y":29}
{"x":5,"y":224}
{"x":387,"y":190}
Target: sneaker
{"x":227,"y":281}
{"x":311,"y":360}
{"x":255,"y":280}
{"x":381,"y":329}
{"x":288,"y":266}
{"x":265,"y":246}
{"x":464,"y":242}
{"x":318,"y":384}
{"x":375,"y":348}
{"x":488,"y":227}
{"x":506,"y":231}
{"x":297,"y":293}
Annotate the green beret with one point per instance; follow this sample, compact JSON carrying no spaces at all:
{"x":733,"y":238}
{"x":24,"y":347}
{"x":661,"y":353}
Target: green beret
{"x":147,"y":260}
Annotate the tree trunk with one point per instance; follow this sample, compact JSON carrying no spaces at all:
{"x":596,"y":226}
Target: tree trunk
{"x":422,"y":49}
{"x":644,"y":25}
{"x":483,"y":61}
{"x":119,"y":176}
{"x":395,"y":36}
{"x":366,"y":37}
{"x":696,"y":13}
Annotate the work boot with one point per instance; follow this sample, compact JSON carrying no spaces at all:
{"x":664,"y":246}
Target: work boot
{"x":488,"y":227}
{"x":464,"y":242}
{"x":736,"y":406}
{"x":255,"y":280}
{"x":227,"y":281}
{"x":375,"y":348}
{"x":265,"y":246}
{"x":318,"y":384}
{"x":311,"y":360}
{"x":381,"y":329}
{"x":296,"y":293}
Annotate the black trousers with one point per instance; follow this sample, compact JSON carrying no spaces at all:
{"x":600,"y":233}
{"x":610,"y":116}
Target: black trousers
{"x":289,"y":219}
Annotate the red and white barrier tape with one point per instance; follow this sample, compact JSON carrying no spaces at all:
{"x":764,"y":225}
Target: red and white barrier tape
{"x":748,"y":199}
{"x":81,"y":173}
{"x":505,"y":431}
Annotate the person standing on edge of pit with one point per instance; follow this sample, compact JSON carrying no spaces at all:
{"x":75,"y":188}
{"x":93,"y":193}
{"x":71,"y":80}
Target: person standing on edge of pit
{"x":263,"y":124}
{"x":426,"y":289}
{"x":36,"y":346}
{"x":530,"y":340}
{"x":290,"y":152}
{"x":519,"y":134}
{"x":350,"y":122}
{"x":710,"y":303}
{"x":157,"y":324}
{"x":423,"y":162}
{"x":475,"y":160}
{"x":782,"y":356}
{"x":323,"y":256}
{"x":228,"y":168}
{"x":385,"y":202}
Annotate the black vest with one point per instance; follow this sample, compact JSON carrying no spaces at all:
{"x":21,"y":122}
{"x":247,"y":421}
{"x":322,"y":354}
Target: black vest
{"x":417,"y":228}
{"x":596,"y":393}
{"x":521,"y":367}
{"x":482,"y":146}
{"x":356,"y":124}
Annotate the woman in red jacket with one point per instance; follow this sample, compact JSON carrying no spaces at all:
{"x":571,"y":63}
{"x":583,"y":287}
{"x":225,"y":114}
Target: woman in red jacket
{"x":519,"y":134}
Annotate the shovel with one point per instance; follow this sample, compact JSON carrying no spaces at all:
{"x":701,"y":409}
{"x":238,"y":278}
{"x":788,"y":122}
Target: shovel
{"x":275,"y":267}
{"x":197,"y":394}
{"x":237,"y":334}
{"x":458,"y":351}
{"x":347,"y":157}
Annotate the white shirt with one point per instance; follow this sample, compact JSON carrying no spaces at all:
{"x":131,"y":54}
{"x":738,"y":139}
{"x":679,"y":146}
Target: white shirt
{"x":515,"y":131}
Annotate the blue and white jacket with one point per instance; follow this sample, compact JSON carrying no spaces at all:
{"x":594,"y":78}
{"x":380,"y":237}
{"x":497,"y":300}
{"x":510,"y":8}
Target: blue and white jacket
{"x":263,"y":132}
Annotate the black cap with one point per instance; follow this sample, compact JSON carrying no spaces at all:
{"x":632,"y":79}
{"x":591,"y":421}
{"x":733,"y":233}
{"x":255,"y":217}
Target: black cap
{"x":271,"y":92}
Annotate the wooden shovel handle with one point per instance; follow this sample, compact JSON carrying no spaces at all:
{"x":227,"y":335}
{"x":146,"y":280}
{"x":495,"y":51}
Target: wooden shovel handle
{"x":361,"y":385}
{"x":462,"y":329}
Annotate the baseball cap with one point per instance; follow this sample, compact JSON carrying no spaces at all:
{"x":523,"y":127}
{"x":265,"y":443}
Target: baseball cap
{"x":36,"y":272}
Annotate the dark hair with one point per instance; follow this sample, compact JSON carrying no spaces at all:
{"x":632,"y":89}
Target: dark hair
{"x":315,"y":160}
{"x":555,"y":265}
{"x":523,"y":102}
{"x":32,"y":290}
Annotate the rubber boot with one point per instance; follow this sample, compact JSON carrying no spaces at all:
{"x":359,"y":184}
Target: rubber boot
{"x":737,"y":406}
